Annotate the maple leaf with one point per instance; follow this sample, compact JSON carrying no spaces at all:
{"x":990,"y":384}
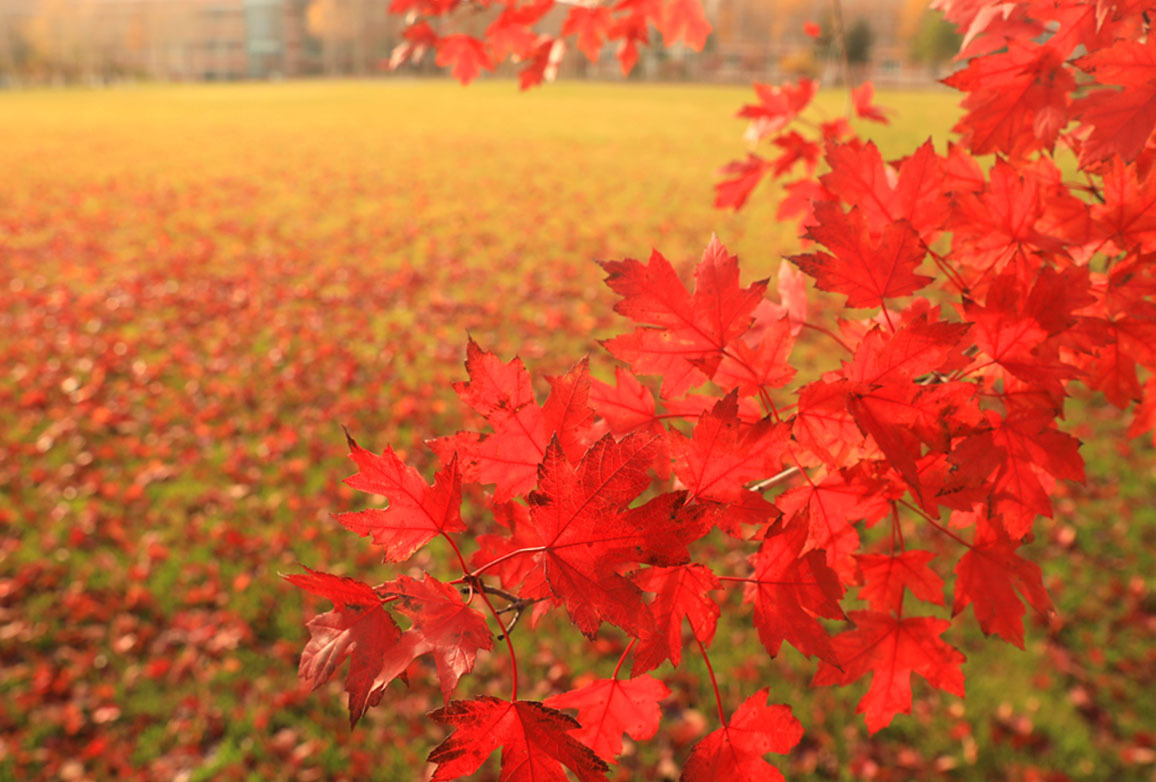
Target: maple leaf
{"x":590,"y":25}
{"x":509,"y":456}
{"x":760,"y":362}
{"x":997,"y":228}
{"x":1018,"y":99}
{"x":867,"y":272}
{"x":684,"y":19}
{"x":735,"y":751}
{"x":886,"y":576}
{"x":1121,"y":121}
{"x":745,"y":176}
{"x":919,"y":346}
{"x":824,"y":427}
{"x":417,"y":39}
{"x":989,"y":575}
{"x":832,"y":508}
{"x":1036,"y":452}
{"x":511,"y":33}
{"x":443,"y":626}
{"x":892,"y":649}
{"x":777,"y":106}
{"x":723,"y":456}
{"x":861,"y":98}
{"x":631,"y":29}
{"x":626,"y":406}
{"x":587,"y":534}
{"x":897,"y":443}
{"x":535,"y":740}
{"x":1128,"y":214}
{"x":800,"y":199}
{"x":542,"y":63}
{"x":681,"y":592}
{"x":466,"y":54}
{"x":1113,"y":370}
{"x":790,"y":589}
{"x":417,"y":512}
{"x":685,"y":336}
{"x":512,"y":570}
{"x":607,"y":708}
{"x":915,"y":193}
{"x":359,"y":629}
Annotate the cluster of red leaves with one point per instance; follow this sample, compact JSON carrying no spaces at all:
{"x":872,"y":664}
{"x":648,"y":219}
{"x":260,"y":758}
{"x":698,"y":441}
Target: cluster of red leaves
{"x":534,"y":34}
{"x":940,"y":418}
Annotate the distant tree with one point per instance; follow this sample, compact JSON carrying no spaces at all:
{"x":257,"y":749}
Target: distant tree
{"x":860,"y":37}
{"x":935,"y":41}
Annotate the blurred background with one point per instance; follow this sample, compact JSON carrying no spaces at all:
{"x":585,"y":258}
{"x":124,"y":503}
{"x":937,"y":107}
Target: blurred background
{"x":895,"y":42}
{"x":211,"y":260}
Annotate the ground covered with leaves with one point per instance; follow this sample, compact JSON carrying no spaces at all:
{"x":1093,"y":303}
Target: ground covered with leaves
{"x":200,"y":286}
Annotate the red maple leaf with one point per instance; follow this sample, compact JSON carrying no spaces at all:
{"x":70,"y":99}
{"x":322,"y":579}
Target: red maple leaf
{"x":1128,"y":215}
{"x":588,"y":535}
{"x":466,"y":54}
{"x":511,"y":33}
{"x":760,"y":360}
{"x":914,"y":193}
{"x":989,"y":575}
{"x":542,"y":63}
{"x":535,"y":740}
{"x":777,"y":106}
{"x":790,"y":589}
{"x":861,"y":98}
{"x":1018,"y":99}
{"x":681,"y":592}
{"x":866,"y":271}
{"x":684,"y":19}
{"x":891,"y":649}
{"x":630,"y":28}
{"x":607,"y":708}
{"x":360,"y":629}
{"x":626,"y":406}
{"x":509,"y":456}
{"x":1121,"y":121}
{"x":922,"y":345}
{"x":591,"y":26}
{"x":745,"y":176}
{"x":685,"y":335}
{"x":443,"y":625}
{"x":886,"y":576}
{"x":723,"y":456}
{"x":735,"y":751}
{"x":832,"y":508}
{"x":1036,"y":452}
{"x":417,"y":512}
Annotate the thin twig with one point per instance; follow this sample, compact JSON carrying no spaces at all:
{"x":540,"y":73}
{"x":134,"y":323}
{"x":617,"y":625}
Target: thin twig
{"x":775,"y":480}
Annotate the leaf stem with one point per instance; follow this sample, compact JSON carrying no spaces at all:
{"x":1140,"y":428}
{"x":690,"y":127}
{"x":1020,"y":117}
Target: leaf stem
{"x":935,"y":523}
{"x":478,"y":589}
{"x":509,"y":643}
{"x":829,"y":333}
{"x":622,"y":659}
{"x":503,"y":558}
{"x":713,"y":681}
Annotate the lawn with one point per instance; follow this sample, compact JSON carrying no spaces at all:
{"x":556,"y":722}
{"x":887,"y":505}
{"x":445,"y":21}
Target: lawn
{"x":199,"y":286}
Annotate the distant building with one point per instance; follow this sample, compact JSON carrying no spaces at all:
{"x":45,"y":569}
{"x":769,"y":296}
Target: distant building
{"x":219,"y":40}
